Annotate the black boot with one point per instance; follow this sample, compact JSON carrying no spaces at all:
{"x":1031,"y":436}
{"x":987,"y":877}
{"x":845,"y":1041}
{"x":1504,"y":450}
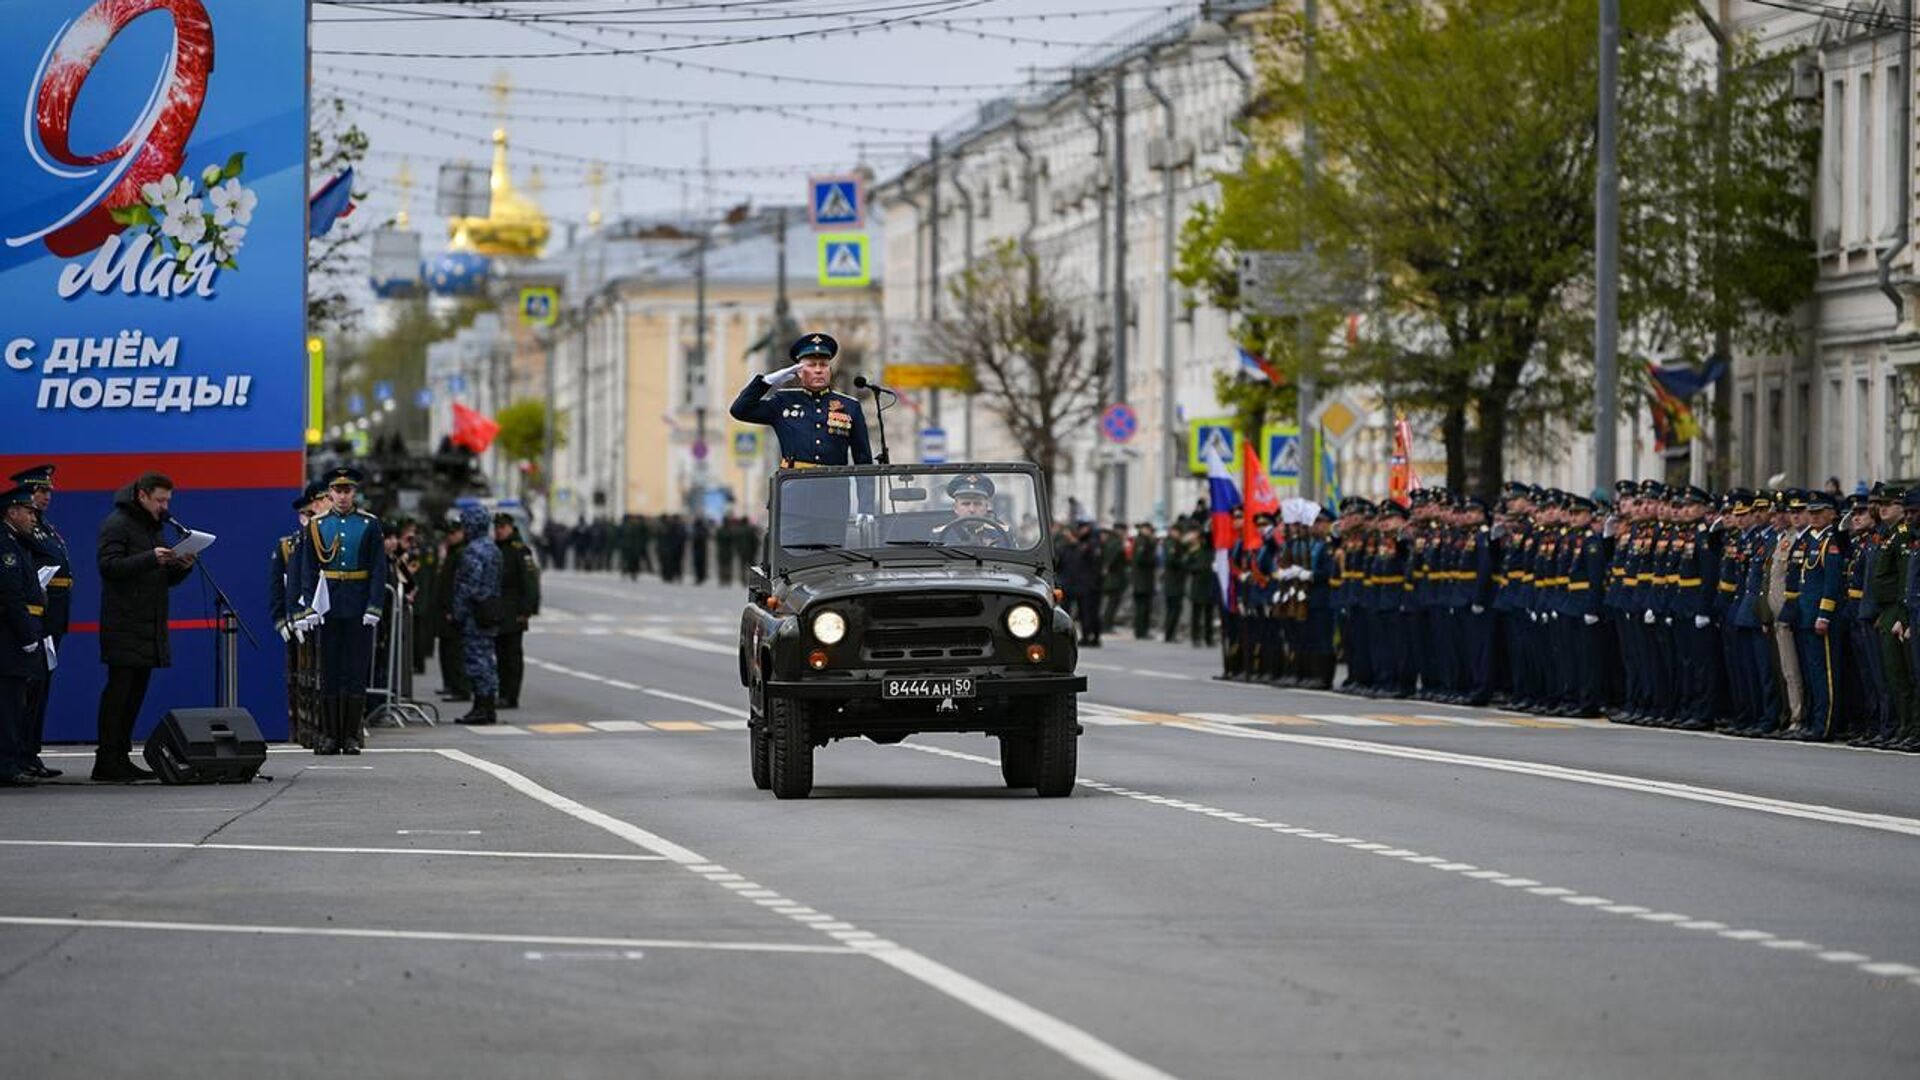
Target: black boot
{"x":353,"y":714}
{"x":482,"y":712}
{"x":326,"y":738}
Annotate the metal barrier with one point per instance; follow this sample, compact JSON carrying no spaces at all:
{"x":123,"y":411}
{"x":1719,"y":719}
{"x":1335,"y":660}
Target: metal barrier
{"x":394,"y":694}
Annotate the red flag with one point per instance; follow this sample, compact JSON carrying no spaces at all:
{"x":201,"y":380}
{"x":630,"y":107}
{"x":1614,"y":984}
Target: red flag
{"x":1260,"y":498}
{"x":1400,"y":478}
{"x":472,"y":430}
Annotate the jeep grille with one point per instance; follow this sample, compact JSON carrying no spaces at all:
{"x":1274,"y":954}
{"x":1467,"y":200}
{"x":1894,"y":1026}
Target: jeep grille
{"x":916,"y":608}
{"x":928,"y":643}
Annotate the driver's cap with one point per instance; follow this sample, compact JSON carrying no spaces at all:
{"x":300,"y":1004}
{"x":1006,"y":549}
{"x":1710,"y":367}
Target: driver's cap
{"x":970,"y":484}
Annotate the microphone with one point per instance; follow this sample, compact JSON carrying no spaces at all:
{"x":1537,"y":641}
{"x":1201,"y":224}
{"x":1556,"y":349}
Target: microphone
{"x":861,"y":382}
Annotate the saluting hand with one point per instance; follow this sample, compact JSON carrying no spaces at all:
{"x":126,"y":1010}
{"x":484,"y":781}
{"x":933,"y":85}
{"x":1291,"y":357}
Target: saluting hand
{"x":784,"y":375}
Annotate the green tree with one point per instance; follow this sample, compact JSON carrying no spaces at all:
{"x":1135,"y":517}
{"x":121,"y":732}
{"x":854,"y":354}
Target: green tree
{"x":1459,"y":161}
{"x":1028,"y":351}
{"x":523,"y":437}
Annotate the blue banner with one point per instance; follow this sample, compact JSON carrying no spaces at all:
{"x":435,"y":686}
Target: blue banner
{"x":153,"y":265}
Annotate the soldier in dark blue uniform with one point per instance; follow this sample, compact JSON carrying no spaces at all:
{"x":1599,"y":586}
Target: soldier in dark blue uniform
{"x":47,"y":548}
{"x":22,"y":638}
{"x":816,"y":426}
{"x":344,"y":557}
{"x":284,"y":578}
{"x":1818,"y":633}
{"x":1868,"y":704}
{"x":1349,"y":555}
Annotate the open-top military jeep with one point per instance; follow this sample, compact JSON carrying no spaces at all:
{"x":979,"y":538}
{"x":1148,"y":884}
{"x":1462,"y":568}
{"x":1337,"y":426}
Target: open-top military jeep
{"x":898,"y":599}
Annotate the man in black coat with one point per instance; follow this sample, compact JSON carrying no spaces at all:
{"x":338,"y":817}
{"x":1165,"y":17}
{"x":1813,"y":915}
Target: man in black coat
{"x":519,"y":603}
{"x":136,"y":570}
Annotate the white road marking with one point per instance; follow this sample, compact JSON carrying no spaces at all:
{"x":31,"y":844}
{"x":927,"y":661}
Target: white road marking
{"x":1146,"y":673}
{"x":1467,"y":871}
{"x":300,"y":850}
{"x":1345,"y":721}
{"x":728,"y":710}
{"x":618,"y":725}
{"x":1464,"y":721}
{"x":622,"y":684}
{"x":667,"y":637}
{"x":379,"y":934}
{"x":497,"y":729}
{"x":1076,"y":1045}
{"x":1669,"y":789}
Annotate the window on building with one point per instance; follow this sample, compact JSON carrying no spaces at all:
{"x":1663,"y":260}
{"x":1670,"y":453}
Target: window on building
{"x":1833,"y":165}
{"x":1745,"y":450}
{"x":1864,"y":211}
{"x":693,"y":384}
{"x":1803,"y":427}
{"x":1889,"y":222}
{"x":1833,"y":418}
{"x":1863,"y":440}
{"x":1776,"y":431}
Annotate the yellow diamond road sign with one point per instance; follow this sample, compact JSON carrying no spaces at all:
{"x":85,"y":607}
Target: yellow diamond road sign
{"x":1339,"y":418}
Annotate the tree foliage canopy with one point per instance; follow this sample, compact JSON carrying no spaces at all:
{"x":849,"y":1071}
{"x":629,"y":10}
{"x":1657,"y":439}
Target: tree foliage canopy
{"x":1458,"y":163}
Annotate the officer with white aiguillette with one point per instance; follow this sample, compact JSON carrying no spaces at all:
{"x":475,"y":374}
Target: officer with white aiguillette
{"x":815,"y":425}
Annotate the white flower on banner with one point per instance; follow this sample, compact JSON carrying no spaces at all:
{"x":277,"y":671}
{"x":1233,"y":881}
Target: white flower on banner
{"x":161,"y":192}
{"x":210,"y":176}
{"x":232,"y":204}
{"x":226,"y":243}
{"x":186,"y":224}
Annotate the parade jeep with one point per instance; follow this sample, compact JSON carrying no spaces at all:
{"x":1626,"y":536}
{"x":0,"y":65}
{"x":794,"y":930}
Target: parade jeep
{"x":893,"y":600}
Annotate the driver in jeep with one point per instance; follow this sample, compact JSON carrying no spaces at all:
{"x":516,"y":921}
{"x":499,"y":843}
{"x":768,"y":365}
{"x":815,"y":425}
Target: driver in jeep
{"x":973,"y":522}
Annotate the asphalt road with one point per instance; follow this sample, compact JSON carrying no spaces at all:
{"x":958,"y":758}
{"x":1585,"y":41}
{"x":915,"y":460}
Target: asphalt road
{"x":1249,"y":882}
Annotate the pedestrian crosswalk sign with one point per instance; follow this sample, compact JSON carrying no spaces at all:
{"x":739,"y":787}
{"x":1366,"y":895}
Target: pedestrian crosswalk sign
{"x":837,"y":202}
{"x":1283,"y":452}
{"x":1212,"y":436}
{"x":843,"y":259}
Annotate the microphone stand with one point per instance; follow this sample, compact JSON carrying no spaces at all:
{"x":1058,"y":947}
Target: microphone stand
{"x":226,"y":658}
{"x":880,"y":414}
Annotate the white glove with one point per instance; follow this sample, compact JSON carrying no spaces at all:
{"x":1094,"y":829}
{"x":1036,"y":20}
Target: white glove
{"x":1479,"y":610}
{"x":1669,"y":620}
{"x":1533,"y":616}
{"x":784,"y":376}
{"x":1590,"y":620}
{"x":53,"y":657}
{"x":286,"y":632}
{"x":30,"y":647}
{"x":1700,"y":622}
{"x":1648,"y":618}
{"x":370,"y":619}
{"x":300,"y":633}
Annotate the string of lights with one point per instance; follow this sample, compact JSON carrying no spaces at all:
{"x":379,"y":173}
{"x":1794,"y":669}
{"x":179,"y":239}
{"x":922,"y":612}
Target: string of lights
{"x":358,"y":96}
{"x":629,"y":17}
{"x":1861,"y":17}
{"x":476,"y":86}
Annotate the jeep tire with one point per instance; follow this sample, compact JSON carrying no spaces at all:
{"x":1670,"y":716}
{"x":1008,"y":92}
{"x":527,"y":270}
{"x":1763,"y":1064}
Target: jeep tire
{"x":759,"y":746}
{"x":790,"y":747}
{"x":1016,"y":759}
{"x":1056,"y":744}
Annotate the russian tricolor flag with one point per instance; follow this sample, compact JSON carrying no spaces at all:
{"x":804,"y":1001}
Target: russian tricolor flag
{"x":1254,"y":366}
{"x":1223,"y":498}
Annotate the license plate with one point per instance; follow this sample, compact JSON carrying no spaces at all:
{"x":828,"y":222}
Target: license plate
{"x":959,"y":687}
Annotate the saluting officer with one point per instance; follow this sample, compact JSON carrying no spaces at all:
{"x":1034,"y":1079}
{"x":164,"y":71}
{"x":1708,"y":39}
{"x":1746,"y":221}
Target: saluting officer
{"x":815,"y":425}
{"x":46,"y":548}
{"x":344,"y":556}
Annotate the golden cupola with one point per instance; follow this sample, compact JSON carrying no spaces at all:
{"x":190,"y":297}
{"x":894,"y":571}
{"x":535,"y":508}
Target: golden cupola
{"x":514,"y":228}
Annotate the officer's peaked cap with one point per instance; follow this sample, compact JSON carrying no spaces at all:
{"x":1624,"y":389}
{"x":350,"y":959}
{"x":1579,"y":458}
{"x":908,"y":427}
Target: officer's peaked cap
{"x":814,"y":345}
{"x":308,"y":494}
{"x":970,"y":485}
{"x":1822,"y":500}
{"x":345,"y":474}
{"x":39,"y":476}
{"x":18,"y":496}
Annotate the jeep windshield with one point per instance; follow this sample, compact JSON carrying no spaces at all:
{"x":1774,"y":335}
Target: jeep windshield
{"x":975,"y":511}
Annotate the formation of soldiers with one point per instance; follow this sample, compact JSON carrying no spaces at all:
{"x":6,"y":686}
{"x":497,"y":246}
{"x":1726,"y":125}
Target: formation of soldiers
{"x":1777,"y":614}
{"x":1108,"y":574}
{"x":673,"y":547}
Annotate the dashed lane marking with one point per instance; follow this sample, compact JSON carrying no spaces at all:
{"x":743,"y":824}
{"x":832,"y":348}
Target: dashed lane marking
{"x":679,"y":725}
{"x":293,"y":849}
{"x":1470,"y":872}
{"x":559,"y":729}
{"x":1081,"y":1047}
{"x":621,"y":726}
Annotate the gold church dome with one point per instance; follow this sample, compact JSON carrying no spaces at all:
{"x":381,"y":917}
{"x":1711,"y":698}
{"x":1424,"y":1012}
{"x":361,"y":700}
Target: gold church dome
{"x":515,"y":228}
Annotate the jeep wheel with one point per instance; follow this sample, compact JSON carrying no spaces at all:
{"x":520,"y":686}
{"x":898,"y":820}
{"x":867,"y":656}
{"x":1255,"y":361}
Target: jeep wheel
{"x":790,"y":748}
{"x":1056,"y":745}
{"x":761,"y":748}
{"x":1016,"y":759}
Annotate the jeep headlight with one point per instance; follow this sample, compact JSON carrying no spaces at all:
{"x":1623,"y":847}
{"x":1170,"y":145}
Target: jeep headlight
{"x":1023,"y":621}
{"x":829,"y":628}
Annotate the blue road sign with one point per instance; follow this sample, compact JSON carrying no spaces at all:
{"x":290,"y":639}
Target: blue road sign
{"x":356,"y":404}
{"x":933,"y":446}
{"x":1283,"y":454}
{"x":423,"y":397}
{"x":837,"y":202}
{"x":382,"y":390}
{"x":1119,"y":422}
{"x":843,"y":259}
{"x":456,"y":384}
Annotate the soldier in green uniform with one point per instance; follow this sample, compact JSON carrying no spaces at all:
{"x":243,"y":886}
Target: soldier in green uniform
{"x":1886,"y":591}
{"x":1143,"y":568}
{"x":1174,"y":577}
{"x":1203,"y":589}
{"x":519,"y":603}
{"x":454,"y":685}
{"x":1113,"y":572}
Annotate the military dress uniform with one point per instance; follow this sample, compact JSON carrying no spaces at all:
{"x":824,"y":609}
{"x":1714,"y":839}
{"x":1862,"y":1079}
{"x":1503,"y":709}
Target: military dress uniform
{"x":1885,"y":592}
{"x":1866,"y":700}
{"x":46,"y":548}
{"x":519,"y":603}
{"x":343,"y":553}
{"x":1203,"y":591}
{"x":1817,"y":631}
{"x":285,"y":574}
{"x":814,"y":428}
{"x":1174,"y":568}
{"x":22,"y":654}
